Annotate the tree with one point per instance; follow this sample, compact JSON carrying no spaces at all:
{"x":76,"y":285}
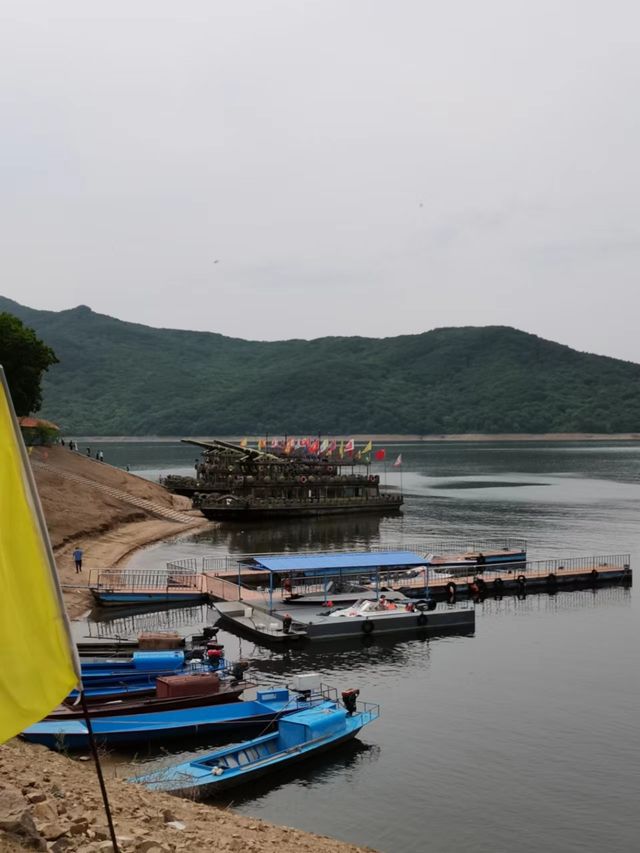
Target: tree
{"x":24,"y":358}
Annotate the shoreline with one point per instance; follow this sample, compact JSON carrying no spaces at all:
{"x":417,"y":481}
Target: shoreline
{"x":112,"y":549}
{"x":391,"y":437}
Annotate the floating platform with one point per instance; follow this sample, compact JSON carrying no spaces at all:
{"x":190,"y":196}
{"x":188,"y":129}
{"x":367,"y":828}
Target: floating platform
{"x":266,"y":627}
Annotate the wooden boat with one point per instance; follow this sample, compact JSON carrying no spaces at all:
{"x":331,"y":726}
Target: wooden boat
{"x":299,"y":736}
{"x":265,"y":710}
{"x":203,"y":691}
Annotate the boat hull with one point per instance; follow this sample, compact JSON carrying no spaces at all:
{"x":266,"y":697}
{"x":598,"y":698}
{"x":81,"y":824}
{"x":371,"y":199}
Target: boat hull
{"x":141,"y":728}
{"x":119,"y":599}
{"x":218,"y":787}
{"x":150,"y":704}
{"x":248,"y":513}
{"x":333,"y":628}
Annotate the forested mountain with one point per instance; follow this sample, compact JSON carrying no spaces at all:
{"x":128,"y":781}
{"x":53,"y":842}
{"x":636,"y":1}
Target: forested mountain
{"x":117,"y":378}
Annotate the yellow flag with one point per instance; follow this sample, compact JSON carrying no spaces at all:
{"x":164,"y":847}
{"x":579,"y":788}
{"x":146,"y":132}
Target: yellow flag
{"x":244,"y":442}
{"x":367,"y":448}
{"x":38,"y":664}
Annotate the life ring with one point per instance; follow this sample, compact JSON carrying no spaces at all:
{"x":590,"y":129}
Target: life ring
{"x":302,"y":479}
{"x":329,"y":469}
{"x":552,"y":580}
{"x":372,"y":478}
{"x":522,"y":580}
{"x":452,"y":589}
{"x":422,"y":619}
{"x":498,"y":586}
{"x":367,"y":627}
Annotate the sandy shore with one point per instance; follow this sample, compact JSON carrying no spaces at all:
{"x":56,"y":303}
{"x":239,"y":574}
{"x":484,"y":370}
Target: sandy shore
{"x":51,"y":802}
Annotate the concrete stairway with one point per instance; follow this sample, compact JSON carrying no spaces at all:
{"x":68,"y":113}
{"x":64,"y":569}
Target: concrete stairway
{"x":150,"y":507}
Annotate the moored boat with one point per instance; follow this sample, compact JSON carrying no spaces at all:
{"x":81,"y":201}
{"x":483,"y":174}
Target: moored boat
{"x":299,"y":736}
{"x":470,"y":562}
{"x":170,"y":694}
{"x":265,"y":710}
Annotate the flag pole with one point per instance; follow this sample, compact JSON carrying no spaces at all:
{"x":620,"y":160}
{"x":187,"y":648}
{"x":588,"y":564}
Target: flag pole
{"x":98,"y":766}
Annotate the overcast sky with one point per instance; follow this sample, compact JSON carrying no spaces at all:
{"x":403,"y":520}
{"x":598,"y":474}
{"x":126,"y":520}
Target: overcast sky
{"x":299,"y":168}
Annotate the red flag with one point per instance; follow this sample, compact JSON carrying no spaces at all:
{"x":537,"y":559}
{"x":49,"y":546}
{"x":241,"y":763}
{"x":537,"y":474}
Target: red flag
{"x":349,"y":446}
{"x":398,"y":461}
{"x":380,"y":454}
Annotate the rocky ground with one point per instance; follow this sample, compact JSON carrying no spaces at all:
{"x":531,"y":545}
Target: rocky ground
{"x":50,"y":802}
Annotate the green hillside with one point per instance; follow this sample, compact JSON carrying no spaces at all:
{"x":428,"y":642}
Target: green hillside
{"x":117,"y":378}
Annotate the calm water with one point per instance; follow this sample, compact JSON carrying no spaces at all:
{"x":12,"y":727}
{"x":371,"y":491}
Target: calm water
{"x":522,"y":737}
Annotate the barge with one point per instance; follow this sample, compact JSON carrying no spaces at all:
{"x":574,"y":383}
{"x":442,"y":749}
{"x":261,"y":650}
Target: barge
{"x":235,"y":483}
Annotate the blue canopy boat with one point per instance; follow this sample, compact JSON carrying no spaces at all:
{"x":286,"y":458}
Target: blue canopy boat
{"x":299,"y":736}
{"x":264,"y":711}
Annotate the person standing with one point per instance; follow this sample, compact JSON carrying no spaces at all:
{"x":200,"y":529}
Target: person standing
{"x":77,"y":558}
{"x":101,"y":456}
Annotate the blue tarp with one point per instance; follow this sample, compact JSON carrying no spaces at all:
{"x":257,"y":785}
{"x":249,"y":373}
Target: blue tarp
{"x":352,"y":561}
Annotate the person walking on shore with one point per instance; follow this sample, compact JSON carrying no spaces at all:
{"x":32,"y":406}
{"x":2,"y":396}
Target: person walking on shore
{"x":77,"y":557}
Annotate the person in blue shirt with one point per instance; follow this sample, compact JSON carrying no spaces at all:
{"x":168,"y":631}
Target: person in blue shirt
{"x":77,"y":556}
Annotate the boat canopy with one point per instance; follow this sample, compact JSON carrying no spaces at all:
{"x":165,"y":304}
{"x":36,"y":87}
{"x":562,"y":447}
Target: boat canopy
{"x":323,"y":563}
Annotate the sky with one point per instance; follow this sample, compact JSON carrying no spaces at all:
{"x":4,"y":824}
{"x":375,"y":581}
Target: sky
{"x":275,"y":169}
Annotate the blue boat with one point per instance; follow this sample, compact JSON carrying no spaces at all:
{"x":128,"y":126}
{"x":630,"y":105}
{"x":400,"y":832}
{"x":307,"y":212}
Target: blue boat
{"x":138,"y":674}
{"x":299,"y":736}
{"x":262,"y":712}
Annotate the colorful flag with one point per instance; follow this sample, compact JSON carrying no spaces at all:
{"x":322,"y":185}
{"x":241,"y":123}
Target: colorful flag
{"x":349,"y":446}
{"x":275,"y":443}
{"x":244,"y":442}
{"x":324,"y":446}
{"x":379,"y":455}
{"x":32,"y":683}
{"x":398,"y":461}
{"x":367,"y":448}
{"x":315,"y":447}
{"x":341,"y":449}
{"x":261,"y":444}
{"x":333,"y":446}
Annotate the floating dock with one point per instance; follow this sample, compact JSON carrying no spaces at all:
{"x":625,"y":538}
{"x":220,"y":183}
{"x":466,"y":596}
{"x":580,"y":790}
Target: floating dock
{"x":271,"y":582}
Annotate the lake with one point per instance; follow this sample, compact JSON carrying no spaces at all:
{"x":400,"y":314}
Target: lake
{"x":521,"y":737}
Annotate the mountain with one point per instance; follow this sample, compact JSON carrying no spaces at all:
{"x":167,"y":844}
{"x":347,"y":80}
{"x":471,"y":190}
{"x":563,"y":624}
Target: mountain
{"x":118,"y":378}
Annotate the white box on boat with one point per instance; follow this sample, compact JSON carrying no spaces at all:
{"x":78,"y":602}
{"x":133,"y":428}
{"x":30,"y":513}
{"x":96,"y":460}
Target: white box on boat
{"x":306,"y":681}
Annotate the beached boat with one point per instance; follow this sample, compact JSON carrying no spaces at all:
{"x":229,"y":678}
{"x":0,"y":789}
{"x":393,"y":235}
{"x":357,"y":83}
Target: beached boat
{"x":299,"y":736}
{"x":265,"y":710}
{"x":237,"y":483}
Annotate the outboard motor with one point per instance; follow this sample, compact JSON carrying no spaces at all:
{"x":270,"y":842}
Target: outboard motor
{"x":214,"y":656}
{"x":350,"y":700}
{"x":238,"y":670}
{"x":210,"y":632}
{"x":286,"y":623}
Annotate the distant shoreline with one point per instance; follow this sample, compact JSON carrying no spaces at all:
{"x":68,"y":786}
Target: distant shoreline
{"x":392,"y":438}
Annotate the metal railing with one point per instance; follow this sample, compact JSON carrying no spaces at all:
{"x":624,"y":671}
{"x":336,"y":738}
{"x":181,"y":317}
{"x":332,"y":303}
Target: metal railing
{"x":147,"y":579}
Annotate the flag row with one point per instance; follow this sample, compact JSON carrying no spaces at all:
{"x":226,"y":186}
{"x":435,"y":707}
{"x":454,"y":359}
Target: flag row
{"x":326,"y":447}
